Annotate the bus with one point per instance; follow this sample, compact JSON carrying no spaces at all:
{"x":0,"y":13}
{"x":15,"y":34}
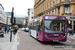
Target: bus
{"x":51,"y":28}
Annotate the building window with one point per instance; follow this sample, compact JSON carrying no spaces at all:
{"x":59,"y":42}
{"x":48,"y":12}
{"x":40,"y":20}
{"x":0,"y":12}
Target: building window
{"x":26,"y":19}
{"x":72,"y":0}
{"x":66,"y":9}
{"x":67,"y":0}
{"x":60,"y":1}
{"x":32,"y":17}
{"x":52,"y":12}
{"x":47,"y":13}
{"x":59,"y":11}
{"x":32,"y":12}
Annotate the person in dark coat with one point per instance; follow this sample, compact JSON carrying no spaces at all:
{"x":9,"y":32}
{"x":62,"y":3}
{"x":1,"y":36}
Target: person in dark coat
{"x":70,"y":31}
{"x":15,"y":30}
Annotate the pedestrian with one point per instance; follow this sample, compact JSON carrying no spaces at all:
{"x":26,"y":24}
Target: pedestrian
{"x":10,"y":27}
{"x":1,"y":33}
{"x":0,"y":27}
{"x":15,"y":30}
{"x":7,"y":29}
{"x":70,"y":31}
{"x":3,"y":29}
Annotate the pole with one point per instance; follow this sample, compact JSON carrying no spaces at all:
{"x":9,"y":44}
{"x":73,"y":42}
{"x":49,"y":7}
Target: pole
{"x":11,"y":23}
{"x":11,"y":36}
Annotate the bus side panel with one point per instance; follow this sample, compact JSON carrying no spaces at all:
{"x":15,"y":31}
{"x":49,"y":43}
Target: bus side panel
{"x":33,"y":33}
{"x":51,"y":37}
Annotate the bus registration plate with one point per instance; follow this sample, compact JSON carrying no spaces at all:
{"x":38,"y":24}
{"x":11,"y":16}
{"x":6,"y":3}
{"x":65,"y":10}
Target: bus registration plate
{"x":55,"y":40}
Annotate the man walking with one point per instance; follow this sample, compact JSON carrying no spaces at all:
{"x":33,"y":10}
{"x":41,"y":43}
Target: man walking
{"x":7,"y":29}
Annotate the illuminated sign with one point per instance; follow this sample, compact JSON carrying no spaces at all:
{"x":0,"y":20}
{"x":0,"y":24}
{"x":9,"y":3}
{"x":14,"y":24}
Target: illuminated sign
{"x":54,"y":17}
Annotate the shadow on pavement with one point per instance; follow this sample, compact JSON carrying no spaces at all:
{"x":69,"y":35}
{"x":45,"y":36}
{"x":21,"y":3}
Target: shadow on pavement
{"x":58,"y":44}
{"x":52,"y":43}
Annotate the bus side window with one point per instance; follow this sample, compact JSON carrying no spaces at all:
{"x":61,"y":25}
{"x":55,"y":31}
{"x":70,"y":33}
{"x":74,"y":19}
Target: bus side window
{"x":39,"y":26}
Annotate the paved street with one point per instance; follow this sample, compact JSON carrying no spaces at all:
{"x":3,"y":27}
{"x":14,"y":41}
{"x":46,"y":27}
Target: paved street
{"x":5,"y":43}
{"x":29,"y":43}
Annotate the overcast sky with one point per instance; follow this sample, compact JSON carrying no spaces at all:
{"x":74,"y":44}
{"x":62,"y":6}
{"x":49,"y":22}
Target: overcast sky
{"x":20,"y":6}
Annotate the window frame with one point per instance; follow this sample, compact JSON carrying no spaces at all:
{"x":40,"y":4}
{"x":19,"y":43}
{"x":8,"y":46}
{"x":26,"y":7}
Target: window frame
{"x":67,"y":11}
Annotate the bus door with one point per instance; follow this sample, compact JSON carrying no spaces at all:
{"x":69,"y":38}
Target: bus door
{"x":40,"y":30}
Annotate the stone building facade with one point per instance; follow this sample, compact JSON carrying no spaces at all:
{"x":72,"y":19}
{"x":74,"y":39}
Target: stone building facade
{"x":55,"y":7}
{"x":30,"y":15}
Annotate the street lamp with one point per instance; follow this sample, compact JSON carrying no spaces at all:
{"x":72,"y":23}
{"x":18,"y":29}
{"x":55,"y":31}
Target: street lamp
{"x":12,"y":16}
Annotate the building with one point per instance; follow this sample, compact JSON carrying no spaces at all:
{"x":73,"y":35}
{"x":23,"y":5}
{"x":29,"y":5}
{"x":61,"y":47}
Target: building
{"x":3,"y":17}
{"x":8,"y":21}
{"x":19,"y":21}
{"x":26,"y":24}
{"x":30,"y":14}
{"x":8,"y":18}
{"x":55,"y":7}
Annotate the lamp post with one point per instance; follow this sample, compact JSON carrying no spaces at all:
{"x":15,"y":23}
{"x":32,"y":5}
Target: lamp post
{"x":12,"y":13}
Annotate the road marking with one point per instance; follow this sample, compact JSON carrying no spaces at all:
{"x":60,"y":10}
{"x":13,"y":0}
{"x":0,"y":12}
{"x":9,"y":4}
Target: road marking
{"x":18,"y":38}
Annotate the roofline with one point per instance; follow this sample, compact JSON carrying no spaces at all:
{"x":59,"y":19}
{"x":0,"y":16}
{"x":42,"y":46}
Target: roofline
{"x":1,"y":6}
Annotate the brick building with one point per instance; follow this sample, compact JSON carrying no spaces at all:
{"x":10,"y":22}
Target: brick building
{"x":55,"y":7}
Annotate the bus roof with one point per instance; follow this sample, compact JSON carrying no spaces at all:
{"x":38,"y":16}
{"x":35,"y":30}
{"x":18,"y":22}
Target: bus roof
{"x":42,"y":17}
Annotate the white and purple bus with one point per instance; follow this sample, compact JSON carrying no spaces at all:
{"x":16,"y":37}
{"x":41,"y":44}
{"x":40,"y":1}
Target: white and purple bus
{"x":49,"y":28}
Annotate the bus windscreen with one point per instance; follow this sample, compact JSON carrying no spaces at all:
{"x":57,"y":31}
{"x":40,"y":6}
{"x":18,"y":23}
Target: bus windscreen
{"x":55,"y":26}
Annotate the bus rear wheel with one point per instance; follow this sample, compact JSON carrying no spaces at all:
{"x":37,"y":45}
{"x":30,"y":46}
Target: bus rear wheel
{"x":30,"y":33}
{"x":37,"y":37}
